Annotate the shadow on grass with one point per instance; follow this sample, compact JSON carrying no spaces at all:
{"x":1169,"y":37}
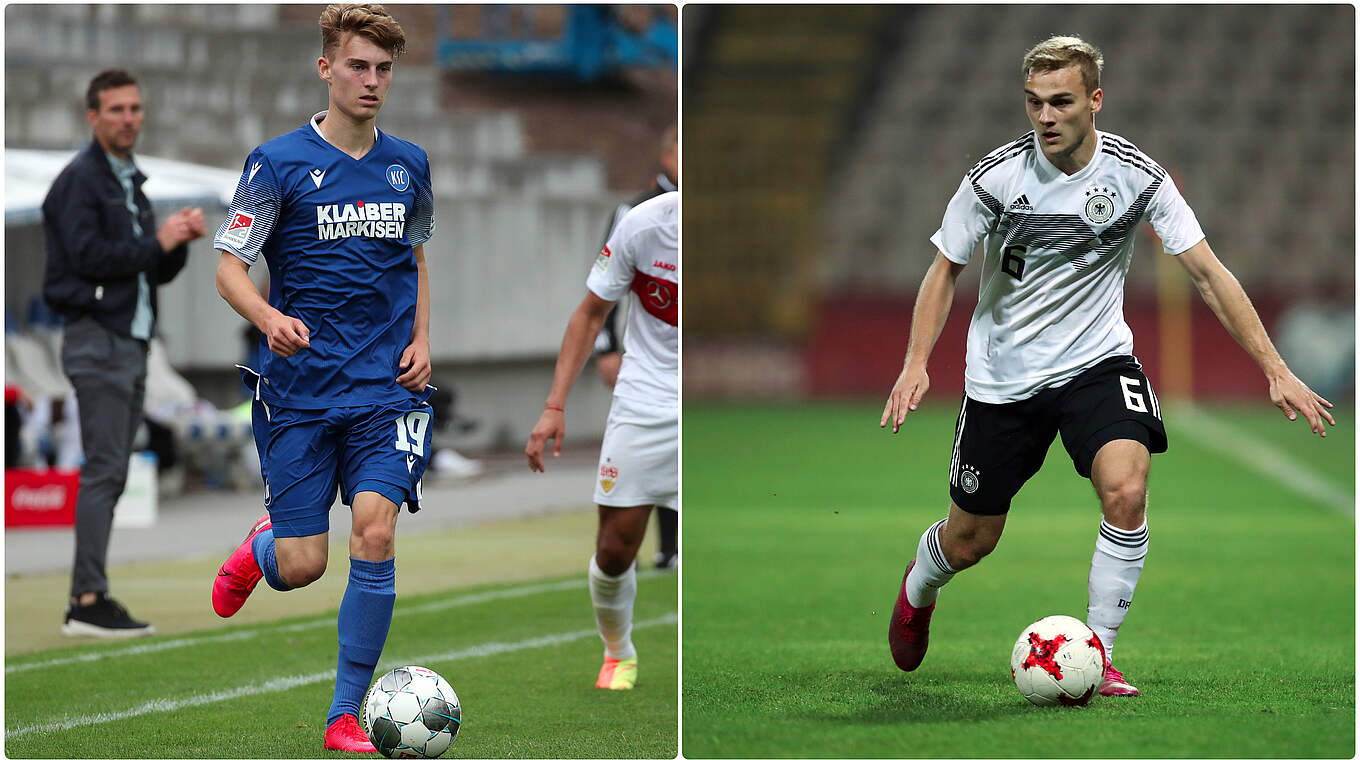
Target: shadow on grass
{"x":875,"y":697}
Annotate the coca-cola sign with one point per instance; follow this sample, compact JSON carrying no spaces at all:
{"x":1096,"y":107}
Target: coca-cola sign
{"x":44,"y":498}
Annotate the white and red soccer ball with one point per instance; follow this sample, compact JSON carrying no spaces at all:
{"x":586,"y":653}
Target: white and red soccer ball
{"x":1058,"y":661}
{"x":411,"y":712}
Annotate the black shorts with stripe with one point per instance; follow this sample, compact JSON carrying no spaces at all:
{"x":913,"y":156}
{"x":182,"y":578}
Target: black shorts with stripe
{"x":998,"y":447}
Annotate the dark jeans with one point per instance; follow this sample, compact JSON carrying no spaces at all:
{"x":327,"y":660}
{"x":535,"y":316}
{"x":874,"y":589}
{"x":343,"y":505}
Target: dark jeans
{"x":108,"y":371}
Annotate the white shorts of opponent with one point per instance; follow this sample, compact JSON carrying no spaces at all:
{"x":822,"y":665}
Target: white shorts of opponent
{"x":640,"y":456}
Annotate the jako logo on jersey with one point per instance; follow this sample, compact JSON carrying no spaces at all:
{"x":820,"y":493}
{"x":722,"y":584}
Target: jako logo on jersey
{"x":664,"y":265}
{"x":398,"y":178}
{"x":1021,"y":204}
{"x":360,"y":219}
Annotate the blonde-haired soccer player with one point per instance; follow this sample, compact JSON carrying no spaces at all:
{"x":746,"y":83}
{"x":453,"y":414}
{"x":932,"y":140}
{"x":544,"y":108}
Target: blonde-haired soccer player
{"x":1049,"y":352}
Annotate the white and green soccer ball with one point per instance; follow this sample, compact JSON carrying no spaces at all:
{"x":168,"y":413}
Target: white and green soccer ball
{"x":1058,"y":661}
{"x":411,"y":712}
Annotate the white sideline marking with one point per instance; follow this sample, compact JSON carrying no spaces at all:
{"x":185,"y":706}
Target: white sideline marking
{"x":1262,"y":457}
{"x":142,"y":649}
{"x":292,"y":682}
{"x":160,"y":646}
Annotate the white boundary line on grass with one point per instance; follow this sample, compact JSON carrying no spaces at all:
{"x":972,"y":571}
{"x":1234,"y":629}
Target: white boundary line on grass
{"x":292,"y":682}
{"x":1262,"y":457}
{"x":459,"y":601}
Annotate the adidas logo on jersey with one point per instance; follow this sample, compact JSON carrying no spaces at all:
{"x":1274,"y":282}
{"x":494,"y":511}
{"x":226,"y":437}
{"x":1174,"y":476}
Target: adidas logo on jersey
{"x":1020,"y":204}
{"x":360,"y":219}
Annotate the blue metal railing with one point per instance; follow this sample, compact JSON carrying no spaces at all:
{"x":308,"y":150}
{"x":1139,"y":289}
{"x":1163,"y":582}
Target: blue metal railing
{"x":593,"y":44}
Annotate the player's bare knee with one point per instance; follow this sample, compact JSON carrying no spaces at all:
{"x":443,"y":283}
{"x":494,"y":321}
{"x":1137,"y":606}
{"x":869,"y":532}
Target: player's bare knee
{"x":613,"y":553}
{"x":614,"y":563}
{"x":302,"y":569}
{"x":1124,"y":504}
{"x":372,"y":542}
{"x":968,"y":553}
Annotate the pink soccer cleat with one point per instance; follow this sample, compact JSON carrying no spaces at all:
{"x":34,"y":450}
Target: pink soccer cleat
{"x":909,"y":631}
{"x":346,"y":735}
{"x":1114,"y":684}
{"x":239,"y":574}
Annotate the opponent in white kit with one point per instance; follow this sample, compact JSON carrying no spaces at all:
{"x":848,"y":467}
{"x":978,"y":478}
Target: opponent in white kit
{"x":639,"y":459}
{"x":1048,"y":349}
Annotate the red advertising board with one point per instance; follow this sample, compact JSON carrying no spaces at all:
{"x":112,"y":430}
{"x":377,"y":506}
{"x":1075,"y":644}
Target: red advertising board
{"x":40,"y":498}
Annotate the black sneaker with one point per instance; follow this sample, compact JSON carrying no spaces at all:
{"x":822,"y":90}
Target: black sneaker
{"x":106,"y":619}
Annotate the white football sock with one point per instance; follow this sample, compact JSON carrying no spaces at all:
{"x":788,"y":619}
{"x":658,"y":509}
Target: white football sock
{"x":931,"y":572}
{"x":1115,"y":567}
{"x":613,"y":599}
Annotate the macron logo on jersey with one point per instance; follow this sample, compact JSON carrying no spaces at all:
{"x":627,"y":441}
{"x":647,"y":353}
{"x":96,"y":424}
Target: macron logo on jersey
{"x":360,"y":219}
{"x":253,"y":170}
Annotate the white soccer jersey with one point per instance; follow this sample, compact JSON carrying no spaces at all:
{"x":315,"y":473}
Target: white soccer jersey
{"x":1056,"y":249}
{"x":643,"y":255}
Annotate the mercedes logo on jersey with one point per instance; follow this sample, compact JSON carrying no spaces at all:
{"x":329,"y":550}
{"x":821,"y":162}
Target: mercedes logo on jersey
{"x":659,"y":294}
{"x":1099,"y":205}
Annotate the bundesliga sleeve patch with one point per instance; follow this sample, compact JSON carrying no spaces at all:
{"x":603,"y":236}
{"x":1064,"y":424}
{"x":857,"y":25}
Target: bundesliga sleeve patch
{"x":238,"y":231}
{"x":602,"y":261}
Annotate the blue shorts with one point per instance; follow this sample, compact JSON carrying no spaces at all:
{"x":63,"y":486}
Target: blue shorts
{"x":307,"y":454}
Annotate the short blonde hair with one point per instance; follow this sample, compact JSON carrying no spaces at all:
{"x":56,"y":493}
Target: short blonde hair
{"x":1059,"y":52}
{"x":368,"y":19}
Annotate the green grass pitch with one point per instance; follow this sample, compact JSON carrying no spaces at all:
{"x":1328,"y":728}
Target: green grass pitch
{"x":522,"y":658}
{"x":799,"y":520}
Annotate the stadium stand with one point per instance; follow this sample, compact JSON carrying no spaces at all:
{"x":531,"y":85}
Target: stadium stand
{"x":832,"y":142}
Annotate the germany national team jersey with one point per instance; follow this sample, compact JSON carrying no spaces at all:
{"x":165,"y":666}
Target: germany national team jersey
{"x":337,"y":233}
{"x":1056,"y":249}
{"x":642,"y":255}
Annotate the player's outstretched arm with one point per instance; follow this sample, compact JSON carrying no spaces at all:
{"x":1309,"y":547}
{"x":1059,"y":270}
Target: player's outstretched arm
{"x":285,"y":334}
{"x":927,"y":320}
{"x":415,"y":360}
{"x":577,"y":343}
{"x":1229,"y":302}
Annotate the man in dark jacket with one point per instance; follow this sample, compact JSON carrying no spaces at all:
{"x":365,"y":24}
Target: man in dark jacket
{"x":105,"y":257}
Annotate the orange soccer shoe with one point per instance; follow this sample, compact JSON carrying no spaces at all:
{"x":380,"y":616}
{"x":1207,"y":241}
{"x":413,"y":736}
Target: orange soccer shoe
{"x":617,"y":674}
{"x":239,"y":574}
{"x":909,"y":630}
{"x":346,"y":735}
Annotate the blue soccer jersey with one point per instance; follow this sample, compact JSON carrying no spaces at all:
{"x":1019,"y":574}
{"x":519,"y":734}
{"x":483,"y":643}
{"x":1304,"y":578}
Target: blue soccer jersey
{"x":337,"y":233}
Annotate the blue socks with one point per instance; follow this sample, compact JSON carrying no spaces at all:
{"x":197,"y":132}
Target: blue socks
{"x":263,"y":546}
{"x":365,"y":617}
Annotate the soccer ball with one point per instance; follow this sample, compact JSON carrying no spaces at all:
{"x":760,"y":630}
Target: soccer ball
{"x":411,"y":712}
{"x":1058,"y":661}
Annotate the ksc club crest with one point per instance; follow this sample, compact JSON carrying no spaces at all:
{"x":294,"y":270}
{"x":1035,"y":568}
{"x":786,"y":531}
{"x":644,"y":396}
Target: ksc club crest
{"x":609,"y":475}
{"x":1099,"y":205}
{"x":398,"y":177}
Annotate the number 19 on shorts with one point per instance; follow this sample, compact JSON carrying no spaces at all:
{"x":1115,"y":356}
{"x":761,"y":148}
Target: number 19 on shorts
{"x":411,"y":429}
